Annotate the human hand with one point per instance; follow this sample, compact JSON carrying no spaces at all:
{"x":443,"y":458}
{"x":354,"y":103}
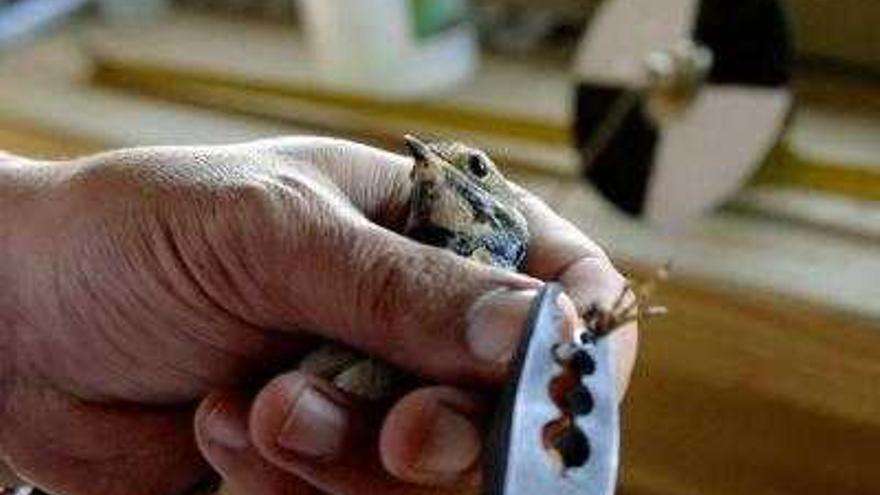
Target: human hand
{"x":142,"y":279}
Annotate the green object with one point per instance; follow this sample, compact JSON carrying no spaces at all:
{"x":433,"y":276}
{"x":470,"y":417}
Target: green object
{"x":431,"y":17}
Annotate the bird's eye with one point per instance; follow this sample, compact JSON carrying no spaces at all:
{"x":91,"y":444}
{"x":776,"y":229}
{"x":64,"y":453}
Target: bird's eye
{"x":477,"y":166}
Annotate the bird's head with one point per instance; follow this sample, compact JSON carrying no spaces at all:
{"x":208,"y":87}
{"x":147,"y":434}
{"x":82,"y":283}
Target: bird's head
{"x":461,"y":201}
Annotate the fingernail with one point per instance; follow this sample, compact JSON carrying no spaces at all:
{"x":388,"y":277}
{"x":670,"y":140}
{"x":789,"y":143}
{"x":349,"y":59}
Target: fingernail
{"x":315,"y":425}
{"x":495,"y":323}
{"x":226,"y":427}
{"x":452,"y":444}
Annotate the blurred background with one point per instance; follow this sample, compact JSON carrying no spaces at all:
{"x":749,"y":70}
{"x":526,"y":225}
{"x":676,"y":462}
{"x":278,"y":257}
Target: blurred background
{"x":739,"y":139}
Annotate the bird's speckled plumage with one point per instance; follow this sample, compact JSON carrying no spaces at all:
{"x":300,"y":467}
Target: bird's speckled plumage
{"x":461,"y":202}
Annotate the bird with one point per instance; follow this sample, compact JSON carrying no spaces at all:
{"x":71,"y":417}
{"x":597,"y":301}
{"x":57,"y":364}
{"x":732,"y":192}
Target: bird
{"x":459,"y":201}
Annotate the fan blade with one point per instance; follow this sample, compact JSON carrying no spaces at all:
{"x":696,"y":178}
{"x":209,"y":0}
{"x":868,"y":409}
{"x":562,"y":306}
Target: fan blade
{"x":711,"y":151}
{"x":624,"y":32}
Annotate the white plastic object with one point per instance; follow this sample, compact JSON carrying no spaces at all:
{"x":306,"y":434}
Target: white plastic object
{"x":390,"y":48}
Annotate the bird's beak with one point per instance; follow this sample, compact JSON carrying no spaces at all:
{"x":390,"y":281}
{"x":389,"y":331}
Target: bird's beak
{"x":428,"y":166}
{"x":417,"y":148}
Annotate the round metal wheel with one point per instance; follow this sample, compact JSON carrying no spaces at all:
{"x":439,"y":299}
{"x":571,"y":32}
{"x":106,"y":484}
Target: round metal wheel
{"x":679,"y":101}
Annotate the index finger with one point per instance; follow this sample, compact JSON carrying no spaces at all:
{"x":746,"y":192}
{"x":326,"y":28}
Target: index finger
{"x":560,"y":251}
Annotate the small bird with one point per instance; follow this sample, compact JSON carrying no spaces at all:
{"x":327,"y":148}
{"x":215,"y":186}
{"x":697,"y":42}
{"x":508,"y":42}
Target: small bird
{"x":460,"y":201}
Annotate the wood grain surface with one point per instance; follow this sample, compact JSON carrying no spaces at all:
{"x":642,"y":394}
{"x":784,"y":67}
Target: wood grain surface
{"x":742,"y":392}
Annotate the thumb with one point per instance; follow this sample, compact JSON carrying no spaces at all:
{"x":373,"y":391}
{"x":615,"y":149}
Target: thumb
{"x":421,"y":308}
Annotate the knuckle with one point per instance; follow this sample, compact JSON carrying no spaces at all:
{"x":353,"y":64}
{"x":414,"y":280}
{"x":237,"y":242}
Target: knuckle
{"x":317,"y":151}
{"x":380,"y":283}
{"x":399,"y":288}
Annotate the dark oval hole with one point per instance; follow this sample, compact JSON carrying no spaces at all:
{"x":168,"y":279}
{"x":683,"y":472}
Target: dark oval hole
{"x":568,"y":442}
{"x":573,"y":447}
{"x":582,"y":363}
{"x":579,"y":400}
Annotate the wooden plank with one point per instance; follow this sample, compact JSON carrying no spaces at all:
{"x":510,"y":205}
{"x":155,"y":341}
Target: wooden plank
{"x":787,"y":168}
{"x":34,"y":142}
{"x":345,"y":114}
{"x":746,"y":392}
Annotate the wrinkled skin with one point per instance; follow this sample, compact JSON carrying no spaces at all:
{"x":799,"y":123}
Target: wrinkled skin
{"x":460,"y":202}
{"x":137,"y":282}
